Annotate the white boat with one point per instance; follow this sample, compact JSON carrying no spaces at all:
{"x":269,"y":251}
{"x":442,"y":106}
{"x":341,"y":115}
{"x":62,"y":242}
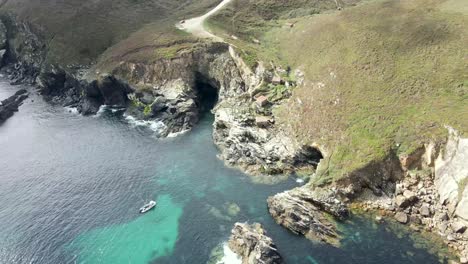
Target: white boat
{"x":147,"y":207}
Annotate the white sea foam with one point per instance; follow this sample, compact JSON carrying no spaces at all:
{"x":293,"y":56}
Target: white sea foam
{"x":299,"y":180}
{"x":156,"y":126}
{"x":101,"y":110}
{"x":229,"y":256}
{"x":117,"y":109}
{"x":176,"y":134}
{"x":72,"y":110}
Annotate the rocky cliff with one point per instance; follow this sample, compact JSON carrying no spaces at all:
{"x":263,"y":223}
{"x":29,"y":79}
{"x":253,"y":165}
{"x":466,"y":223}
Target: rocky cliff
{"x":24,"y":60}
{"x":431,"y":195}
{"x":171,"y":93}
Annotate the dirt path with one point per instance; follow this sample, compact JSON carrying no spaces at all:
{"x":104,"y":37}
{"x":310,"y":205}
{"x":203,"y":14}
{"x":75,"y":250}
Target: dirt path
{"x":195,"y":25}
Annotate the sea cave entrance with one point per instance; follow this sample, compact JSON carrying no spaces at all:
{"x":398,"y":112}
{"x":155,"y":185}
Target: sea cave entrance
{"x":207,"y":93}
{"x":308,"y":155}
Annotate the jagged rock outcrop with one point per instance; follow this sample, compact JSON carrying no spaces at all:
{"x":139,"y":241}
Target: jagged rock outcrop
{"x":451,"y":175}
{"x":24,"y":50}
{"x":431,"y":195}
{"x":65,"y":88}
{"x":173,"y":90}
{"x":253,"y":245}
{"x":304,"y":212}
{"x":10,"y":105}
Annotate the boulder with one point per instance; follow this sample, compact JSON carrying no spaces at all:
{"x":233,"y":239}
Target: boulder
{"x":276,"y":80}
{"x":458,"y":227}
{"x":410,"y":195}
{"x":263,"y":121}
{"x":425,"y":210}
{"x":402,"y":201}
{"x":401,"y":217}
{"x":253,"y":245}
{"x":262,"y":101}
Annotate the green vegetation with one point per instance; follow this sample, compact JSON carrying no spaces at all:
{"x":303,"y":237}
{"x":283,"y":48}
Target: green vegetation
{"x":382,"y":77}
{"x":79,"y":31}
{"x":150,"y":43}
{"x":277,"y":92}
{"x":248,"y":20}
{"x":147,"y":110}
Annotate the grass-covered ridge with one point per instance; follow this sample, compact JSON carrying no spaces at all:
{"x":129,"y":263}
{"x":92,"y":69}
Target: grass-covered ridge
{"x":244,"y":22}
{"x":79,"y":31}
{"x":381,"y":77}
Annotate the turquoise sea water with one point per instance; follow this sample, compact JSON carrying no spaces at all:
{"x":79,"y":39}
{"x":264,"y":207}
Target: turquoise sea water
{"x":71,"y":186}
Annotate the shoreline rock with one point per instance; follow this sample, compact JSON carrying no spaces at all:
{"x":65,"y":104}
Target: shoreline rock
{"x":430,"y":195}
{"x":302,"y":213}
{"x":253,"y":245}
{"x":11,"y":105}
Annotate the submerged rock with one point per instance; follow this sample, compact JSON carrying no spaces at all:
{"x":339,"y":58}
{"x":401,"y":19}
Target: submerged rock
{"x":253,"y":245}
{"x":302,"y":213}
{"x":401,"y":217}
{"x":10,"y":105}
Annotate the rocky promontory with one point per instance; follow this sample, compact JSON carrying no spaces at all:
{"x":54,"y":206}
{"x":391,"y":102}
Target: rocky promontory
{"x":10,"y":105}
{"x":303,"y":212}
{"x":253,"y":245}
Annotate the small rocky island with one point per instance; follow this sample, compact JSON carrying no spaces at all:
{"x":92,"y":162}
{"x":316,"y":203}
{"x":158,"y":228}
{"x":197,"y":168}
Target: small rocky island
{"x":253,"y":245}
{"x":10,"y":105}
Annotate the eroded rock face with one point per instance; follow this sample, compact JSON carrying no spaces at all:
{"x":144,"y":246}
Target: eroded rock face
{"x":253,"y":245}
{"x":242,"y":143}
{"x":172,"y":90}
{"x":10,"y":105}
{"x":451,"y":175}
{"x":432,"y":193}
{"x":303,"y":212}
{"x":24,"y":52}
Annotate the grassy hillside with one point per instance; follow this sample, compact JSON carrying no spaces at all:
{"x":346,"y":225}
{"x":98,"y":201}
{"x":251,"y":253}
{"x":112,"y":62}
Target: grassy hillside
{"x":248,"y":20}
{"x":381,"y":77}
{"x":78,"y":31}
